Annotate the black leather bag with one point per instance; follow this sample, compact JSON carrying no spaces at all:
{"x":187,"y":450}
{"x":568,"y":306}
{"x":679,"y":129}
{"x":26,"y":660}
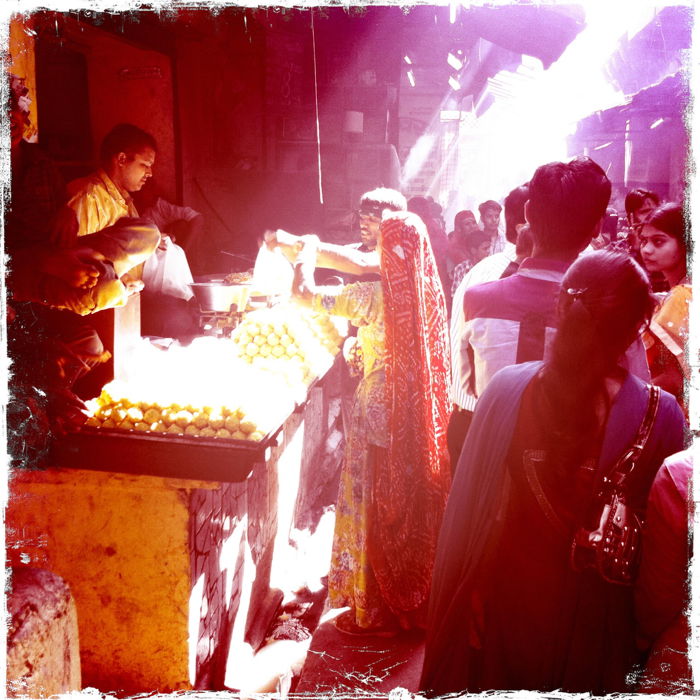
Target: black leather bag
{"x":613,"y":547}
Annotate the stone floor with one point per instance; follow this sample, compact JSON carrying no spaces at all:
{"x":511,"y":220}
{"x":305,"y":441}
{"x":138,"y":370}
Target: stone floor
{"x":341,"y":665}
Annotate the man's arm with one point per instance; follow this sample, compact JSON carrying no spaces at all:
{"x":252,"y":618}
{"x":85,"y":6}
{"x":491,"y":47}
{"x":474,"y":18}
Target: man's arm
{"x":328,"y":255}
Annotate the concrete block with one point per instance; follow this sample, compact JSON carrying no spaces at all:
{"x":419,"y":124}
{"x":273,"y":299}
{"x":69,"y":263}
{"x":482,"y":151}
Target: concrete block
{"x":43,"y":651}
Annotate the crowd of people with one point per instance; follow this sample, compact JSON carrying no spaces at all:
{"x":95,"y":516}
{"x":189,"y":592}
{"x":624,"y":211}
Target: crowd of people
{"x":506,"y":464}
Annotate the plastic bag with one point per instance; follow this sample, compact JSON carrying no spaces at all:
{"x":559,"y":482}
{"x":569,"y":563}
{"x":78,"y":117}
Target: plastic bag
{"x":273,"y":274}
{"x":168,"y":272}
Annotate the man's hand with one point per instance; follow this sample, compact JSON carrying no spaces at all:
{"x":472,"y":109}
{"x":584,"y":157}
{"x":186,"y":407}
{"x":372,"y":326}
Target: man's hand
{"x":165,"y":241}
{"x":132,"y":285}
{"x":74,"y":266}
{"x":288,"y":243}
{"x":64,"y":231}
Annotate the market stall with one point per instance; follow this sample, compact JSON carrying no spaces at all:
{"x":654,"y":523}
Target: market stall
{"x":174,"y":514}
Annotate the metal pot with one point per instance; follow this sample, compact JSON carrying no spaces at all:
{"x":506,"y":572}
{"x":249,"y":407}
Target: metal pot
{"x":214,"y":296}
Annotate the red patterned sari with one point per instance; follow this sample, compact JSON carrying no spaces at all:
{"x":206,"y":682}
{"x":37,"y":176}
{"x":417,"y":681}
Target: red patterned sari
{"x":412,"y":476}
{"x":396,"y":476}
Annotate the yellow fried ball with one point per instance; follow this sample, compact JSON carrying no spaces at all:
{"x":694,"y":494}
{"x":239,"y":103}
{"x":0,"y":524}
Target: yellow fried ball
{"x":231,"y":423}
{"x":183,"y":418}
{"x":216,"y":421}
{"x":152,"y":415}
{"x":247,"y":426}
{"x":135,"y":414}
{"x":200,"y":420}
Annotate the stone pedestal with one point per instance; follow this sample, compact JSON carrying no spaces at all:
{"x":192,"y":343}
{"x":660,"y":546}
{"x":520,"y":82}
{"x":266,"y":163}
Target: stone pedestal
{"x":43,"y":653}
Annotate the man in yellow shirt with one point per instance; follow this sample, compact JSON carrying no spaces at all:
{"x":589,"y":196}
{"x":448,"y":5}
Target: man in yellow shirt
{"x":99,"y":200}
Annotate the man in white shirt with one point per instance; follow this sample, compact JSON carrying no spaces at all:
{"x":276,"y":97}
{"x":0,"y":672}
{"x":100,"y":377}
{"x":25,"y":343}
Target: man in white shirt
{"x":494,"y":267}
{"x":512,"y":320}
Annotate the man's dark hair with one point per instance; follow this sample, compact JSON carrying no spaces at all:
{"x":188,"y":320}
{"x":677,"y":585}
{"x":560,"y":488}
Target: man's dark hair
{"x":476,"y":238}
{"x":383,"y":198}
{"x":489,"y":205}
{"x":567,"y":201}
{"x":514,"y":213}
{"x":635,"y":199}
{"x":125,"y":138}
{"x":464,"y":214}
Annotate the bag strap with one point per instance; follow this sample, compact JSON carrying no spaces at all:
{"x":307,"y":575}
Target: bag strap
{"x":628,"y":458}
{"x":529,"y":462}
{"x":628,"y":461}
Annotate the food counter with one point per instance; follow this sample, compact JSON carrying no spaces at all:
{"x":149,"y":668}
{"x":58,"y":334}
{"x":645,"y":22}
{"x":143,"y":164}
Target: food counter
{"x":227,"y":398}
{"x":175,"y":514}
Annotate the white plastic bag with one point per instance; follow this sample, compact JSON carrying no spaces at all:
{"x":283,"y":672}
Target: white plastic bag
{"x":168,"y":272}
{"x":273,"y":273}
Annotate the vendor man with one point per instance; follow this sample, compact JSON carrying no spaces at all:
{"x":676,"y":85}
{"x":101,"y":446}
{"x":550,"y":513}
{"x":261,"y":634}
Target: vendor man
{"x":99,"y":200}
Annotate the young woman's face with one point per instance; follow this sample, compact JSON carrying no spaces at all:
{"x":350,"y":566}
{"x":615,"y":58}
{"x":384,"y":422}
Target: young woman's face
{"x":660,"y":252}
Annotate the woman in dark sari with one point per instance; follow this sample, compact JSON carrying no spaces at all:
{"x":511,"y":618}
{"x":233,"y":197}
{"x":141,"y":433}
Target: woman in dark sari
{"x":509,"y":610}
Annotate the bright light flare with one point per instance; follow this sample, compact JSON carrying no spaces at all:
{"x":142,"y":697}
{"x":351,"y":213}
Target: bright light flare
{"x":408,"y":60}
{"x":658,"y":122}
{"x":603,"y":145}
{"x":454,"y":61}
{"x":450,"y":115}
{"x":453,"y":12}
{"x":417,"y":157}
{"x":411,"y":78}
{"x":454,"y":83}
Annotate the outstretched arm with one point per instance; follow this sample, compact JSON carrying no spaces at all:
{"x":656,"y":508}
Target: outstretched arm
{"x":328,"y":255}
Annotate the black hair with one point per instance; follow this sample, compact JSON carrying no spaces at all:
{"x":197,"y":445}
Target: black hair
{"x":605,"y":298}
{"x":635,"y":199}
{"x":489,"y":205}
{"x":515,"y":211}
{"x":421,"y":206}
{"x":464,"y":214}
{"x":670,"y":219}
{"x":125,"y":138}
{"x":567,"y":201}
{"x":476,"y":238}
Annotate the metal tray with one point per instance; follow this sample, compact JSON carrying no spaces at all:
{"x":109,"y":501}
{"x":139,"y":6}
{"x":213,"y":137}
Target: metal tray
{"x":155,"y":454}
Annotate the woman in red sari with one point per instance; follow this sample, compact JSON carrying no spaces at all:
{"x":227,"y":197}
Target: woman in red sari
{"x":396,"y":474}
